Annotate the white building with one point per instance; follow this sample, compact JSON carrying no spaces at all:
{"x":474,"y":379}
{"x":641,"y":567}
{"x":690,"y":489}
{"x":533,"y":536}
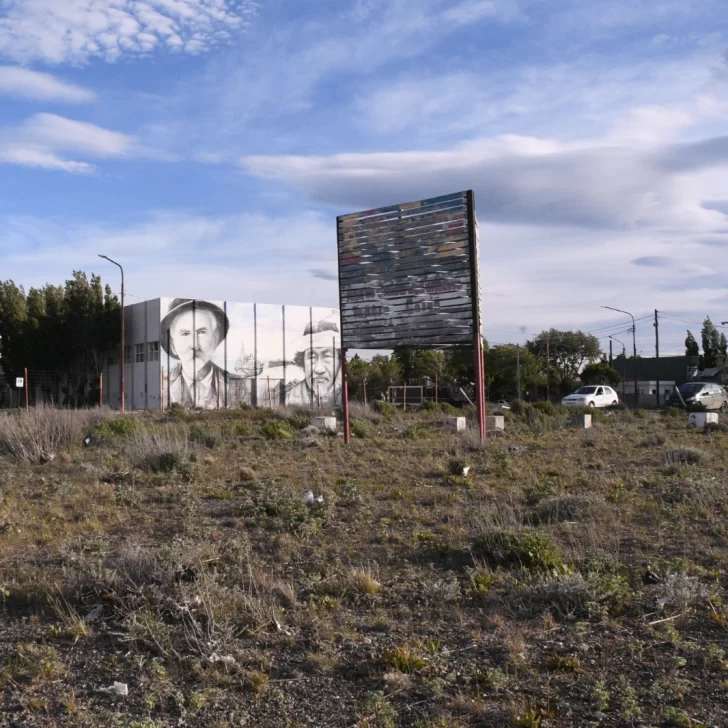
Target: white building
{"x":213,"y":354}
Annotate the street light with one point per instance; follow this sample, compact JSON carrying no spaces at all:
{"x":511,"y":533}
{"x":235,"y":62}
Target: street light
{"x":634,"y":349}
{"x":624,"y":363}
{"x":123,"y":397}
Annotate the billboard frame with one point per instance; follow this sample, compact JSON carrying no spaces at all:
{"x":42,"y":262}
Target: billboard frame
{"x":477,"y":339}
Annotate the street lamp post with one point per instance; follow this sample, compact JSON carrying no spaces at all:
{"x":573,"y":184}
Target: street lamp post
{"x":634,"y":350}
{"x":123,"y":393}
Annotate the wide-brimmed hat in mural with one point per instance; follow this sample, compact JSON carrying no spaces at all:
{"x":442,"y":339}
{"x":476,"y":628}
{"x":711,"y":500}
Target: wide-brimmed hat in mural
{"x":318,"y":335}
{"x":182,"y":305}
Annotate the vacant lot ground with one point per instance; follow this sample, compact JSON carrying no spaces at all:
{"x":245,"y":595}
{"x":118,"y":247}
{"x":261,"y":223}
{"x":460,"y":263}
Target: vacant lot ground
{"x":571,"y":578}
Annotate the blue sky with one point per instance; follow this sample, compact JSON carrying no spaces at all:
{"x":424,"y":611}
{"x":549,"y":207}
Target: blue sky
{"x":210,"y":144}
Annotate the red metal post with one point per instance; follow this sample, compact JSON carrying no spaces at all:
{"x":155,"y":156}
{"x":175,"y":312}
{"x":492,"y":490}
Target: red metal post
{"x":345,"y":396}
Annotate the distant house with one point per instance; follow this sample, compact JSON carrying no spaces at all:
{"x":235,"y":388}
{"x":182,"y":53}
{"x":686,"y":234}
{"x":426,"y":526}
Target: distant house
{"x":716,"y":375}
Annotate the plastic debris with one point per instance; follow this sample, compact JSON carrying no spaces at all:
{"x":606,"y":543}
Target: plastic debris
{"x":466,"y":470}
{"x":225,"y":659}
{"x":118,"y":688}
{"x":308,"y":498}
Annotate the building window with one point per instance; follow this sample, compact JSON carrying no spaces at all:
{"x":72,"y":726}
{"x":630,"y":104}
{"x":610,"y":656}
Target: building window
{"x":153,"y":354}
{"x":127,"y":355}
{"x":139,"y":353}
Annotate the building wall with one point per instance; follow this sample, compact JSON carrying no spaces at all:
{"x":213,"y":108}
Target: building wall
{"x":142,"y":375}
{"x":227,"y":352}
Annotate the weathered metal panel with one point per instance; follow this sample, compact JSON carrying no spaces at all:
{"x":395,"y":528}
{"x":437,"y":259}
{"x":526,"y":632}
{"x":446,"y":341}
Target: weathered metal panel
{"x":406,"y":274}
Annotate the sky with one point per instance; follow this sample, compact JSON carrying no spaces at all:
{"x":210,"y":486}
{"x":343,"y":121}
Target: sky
{"x":209,"y":145}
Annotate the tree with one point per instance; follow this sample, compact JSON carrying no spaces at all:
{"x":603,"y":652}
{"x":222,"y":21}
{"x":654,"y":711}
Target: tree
{"x":691,"y":345}
{"x":461,"y":363}
{"x":723,"y":346}
{"x":569,"y":351}
{"x":501,"y":371}
{"x":64,"y":329}
{"x":600,"y":373}
{"x":711,"y":343}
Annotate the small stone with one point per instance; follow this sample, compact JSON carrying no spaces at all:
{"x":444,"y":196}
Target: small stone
{"x":598,"y":716}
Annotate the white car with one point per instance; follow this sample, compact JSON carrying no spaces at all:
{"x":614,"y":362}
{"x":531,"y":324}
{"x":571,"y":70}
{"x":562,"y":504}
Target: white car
{"x":591,"y":396}
{"x":503,"y":404}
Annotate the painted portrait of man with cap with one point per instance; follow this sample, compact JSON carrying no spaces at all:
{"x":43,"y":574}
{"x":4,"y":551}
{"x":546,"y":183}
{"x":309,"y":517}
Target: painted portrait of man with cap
{"x":191,"y":331}
{"x":318,"y":353}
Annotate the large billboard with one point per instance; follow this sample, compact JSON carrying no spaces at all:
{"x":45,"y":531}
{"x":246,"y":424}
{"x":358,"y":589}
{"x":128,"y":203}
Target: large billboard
{"x":408,"y":274}
{"x":223,"y":353}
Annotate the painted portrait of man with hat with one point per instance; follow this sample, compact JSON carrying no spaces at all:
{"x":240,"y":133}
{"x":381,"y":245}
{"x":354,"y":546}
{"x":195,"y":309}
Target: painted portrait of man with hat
{"x":318,"y":353}
{"x":191,"y":331}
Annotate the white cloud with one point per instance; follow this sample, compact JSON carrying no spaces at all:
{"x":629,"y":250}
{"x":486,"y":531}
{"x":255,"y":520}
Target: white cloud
{"x":24,"y":83}
{"x":520,"y":180}
{"x":285,"y":71}
{"x":57,"y":31}
{"x":41,"y":140}
{"x":243,"y":257}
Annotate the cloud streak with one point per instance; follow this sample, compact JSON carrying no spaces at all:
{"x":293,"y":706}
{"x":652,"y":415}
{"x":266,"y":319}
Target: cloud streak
{"x":43,"y":140}
{"x":27,"y":84}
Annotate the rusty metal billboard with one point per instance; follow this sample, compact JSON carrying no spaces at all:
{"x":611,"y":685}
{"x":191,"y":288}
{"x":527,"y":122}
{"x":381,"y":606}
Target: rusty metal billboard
{"x":408,"y":274}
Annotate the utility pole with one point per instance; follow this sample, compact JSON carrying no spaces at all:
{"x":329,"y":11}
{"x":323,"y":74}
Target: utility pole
{"x":610,"y":352}
{"x":123,"y":393}
{"x":634,"y":351}
{"x":548,"y":366}
{"x":624,"y":362}
{"x":518,"y":369}
{"x":657,"y":357}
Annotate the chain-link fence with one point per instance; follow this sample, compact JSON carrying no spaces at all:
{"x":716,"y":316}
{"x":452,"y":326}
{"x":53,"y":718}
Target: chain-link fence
{"x":57,"y":388}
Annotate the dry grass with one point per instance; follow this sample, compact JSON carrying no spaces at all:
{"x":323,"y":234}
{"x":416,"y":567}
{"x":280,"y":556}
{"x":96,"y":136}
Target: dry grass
{"x":176,"y":554}
{"x":37,"y":436}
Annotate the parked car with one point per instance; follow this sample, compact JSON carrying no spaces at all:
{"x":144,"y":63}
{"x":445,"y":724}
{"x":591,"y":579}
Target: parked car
{"x":701,"y":395}
{"x":591,"y":396}
{"x":503,"y":404}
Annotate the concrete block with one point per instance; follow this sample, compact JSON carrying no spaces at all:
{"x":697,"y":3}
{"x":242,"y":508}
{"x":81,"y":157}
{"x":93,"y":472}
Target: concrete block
{"x":701,"y":419}
{"x":495,"y":423}
{"x":325,"y":423}
{"x":455,"y":424}
{"x":582,"y":422}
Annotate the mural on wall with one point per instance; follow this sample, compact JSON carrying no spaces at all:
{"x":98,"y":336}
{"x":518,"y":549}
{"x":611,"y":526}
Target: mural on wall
{"x":221,"y":354}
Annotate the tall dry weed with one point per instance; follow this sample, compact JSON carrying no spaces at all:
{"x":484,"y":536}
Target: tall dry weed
{"x":37,"y":435}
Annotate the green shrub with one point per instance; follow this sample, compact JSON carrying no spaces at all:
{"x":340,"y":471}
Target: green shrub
{"x":519,"y":407}
{"x":299,"y":421}
{"x":276,"y":430}
{"x":536,"y":420}
{"x":456,"y":466}
{"x":413,"y":433}
{"x":362,"y":428}
{"x":528,"y":550}
{"x":546,"y":407}
{"x":674,"y":412}
{"x":444,"y":408}
{"x":119,"y":427}
{"x":202,"y":435}
{"x":176,"y":411}
{"x":384,"y":408}
{"x":685,"y":456}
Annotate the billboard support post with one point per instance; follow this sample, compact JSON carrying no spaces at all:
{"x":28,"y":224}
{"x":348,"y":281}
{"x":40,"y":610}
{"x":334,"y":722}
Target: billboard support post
{"x":345,"y":396}
{"x":475,"y":300}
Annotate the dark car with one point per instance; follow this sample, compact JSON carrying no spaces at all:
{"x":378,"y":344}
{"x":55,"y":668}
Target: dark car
{"x":701,"y":395}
